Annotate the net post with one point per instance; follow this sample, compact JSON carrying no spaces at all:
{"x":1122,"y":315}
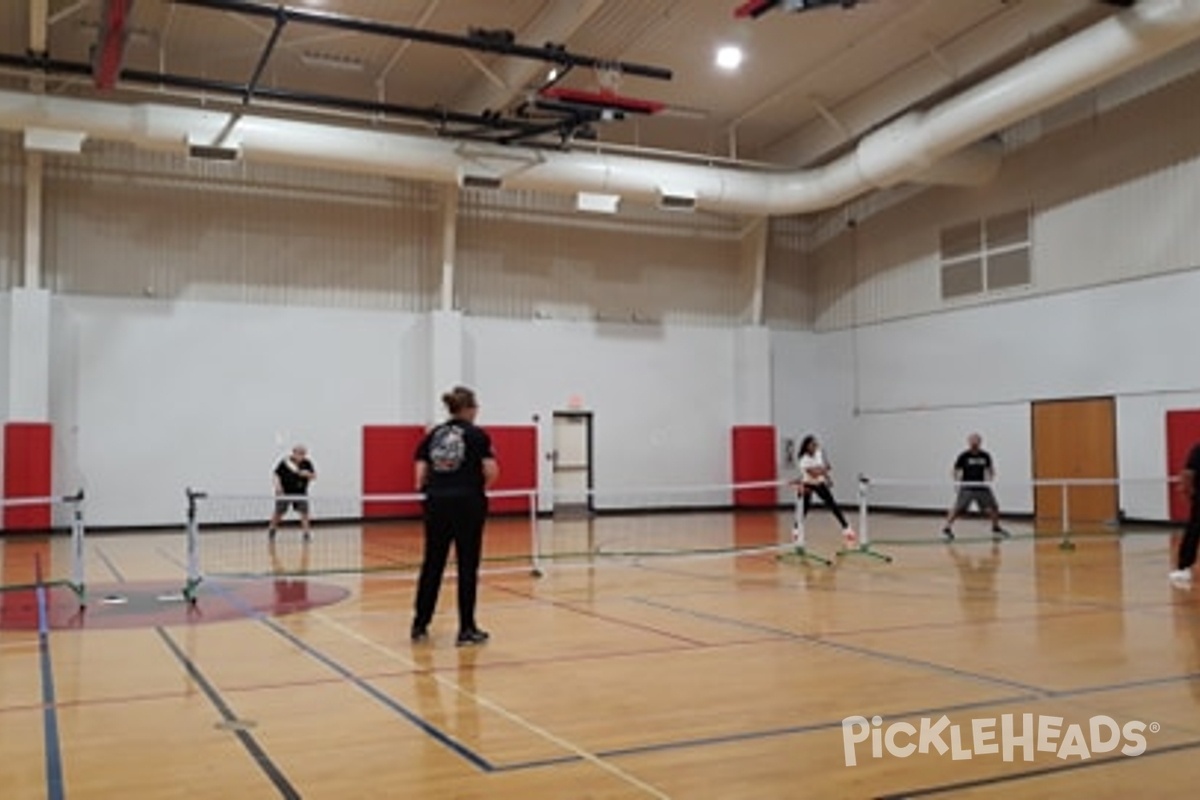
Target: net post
{"x":193,"y":545}
{"x":535,"y":536}
{"x":863,"y":546}
{"x":799,"y":545}
{"x":78,"y":576}
{"x":1065,"y":542}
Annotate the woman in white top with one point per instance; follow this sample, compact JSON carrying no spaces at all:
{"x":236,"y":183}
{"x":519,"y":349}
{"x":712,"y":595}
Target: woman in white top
{"x":815,"y":479}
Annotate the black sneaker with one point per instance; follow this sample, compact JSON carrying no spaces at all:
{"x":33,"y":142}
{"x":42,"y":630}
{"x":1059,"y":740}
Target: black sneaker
{"x":471,"y":637}
{"x":1000,"y":533}
{"x":420,"y":633}
{"x":948,"y":534}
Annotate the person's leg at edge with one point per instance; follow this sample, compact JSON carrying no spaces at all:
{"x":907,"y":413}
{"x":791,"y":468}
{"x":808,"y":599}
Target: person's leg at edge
{"x":438,"y":536}
{"x":469,"y":552}
{"x":1189,"y":545}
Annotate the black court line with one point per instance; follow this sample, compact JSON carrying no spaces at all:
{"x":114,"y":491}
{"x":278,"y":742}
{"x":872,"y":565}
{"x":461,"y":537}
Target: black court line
{"x":55,"y":788}
{"x":108,"y":564}
{"x":849,"y":648}
{"x":346,"y":673}
{"x":747,"y":736}
{"x":272,"y":771}
{"x":1040,"y":772}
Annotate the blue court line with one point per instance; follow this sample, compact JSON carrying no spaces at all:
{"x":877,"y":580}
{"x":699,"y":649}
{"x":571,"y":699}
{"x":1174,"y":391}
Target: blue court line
{"x":116,"y":573}
{"x":346,"y":673}
{"x":247,"y":740}
{"x":849,"y":648}
{"x":54,"y":764}
{"x":1102,"y":761}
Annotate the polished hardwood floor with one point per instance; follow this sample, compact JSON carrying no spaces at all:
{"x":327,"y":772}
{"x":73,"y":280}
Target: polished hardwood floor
{"x":628,"y":674}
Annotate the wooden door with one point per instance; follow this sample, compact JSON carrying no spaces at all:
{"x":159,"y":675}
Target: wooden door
{"x":1074,"y":439}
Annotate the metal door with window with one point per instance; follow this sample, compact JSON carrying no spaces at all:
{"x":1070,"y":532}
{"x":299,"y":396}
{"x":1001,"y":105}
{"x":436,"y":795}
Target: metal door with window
{"x":572,"y":459}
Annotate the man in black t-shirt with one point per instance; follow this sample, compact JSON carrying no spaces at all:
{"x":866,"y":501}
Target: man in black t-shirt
{"x":974,"y":472}
{"x":292,"y":475}
{"x":1190,"y":542}
{"x":455,"y":466}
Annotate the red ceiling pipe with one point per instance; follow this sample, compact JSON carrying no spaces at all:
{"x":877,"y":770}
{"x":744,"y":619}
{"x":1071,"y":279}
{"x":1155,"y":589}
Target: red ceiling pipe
{"x":110,"y":48}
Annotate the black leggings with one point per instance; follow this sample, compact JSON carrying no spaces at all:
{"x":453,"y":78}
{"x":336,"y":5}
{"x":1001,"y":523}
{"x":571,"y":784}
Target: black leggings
{"x":458,"y":521}
{"x":1191,"y":537}
{"x":821,"y":490}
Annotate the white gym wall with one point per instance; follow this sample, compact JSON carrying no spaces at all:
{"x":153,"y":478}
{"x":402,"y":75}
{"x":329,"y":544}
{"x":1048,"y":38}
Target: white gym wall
{"x":194,"y":301}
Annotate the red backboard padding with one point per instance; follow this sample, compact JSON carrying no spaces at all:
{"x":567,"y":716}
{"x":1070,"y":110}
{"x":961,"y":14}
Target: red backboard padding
{"x":27,"y":473}
{"x":753,"y":462}
{"x":1183,"y":431}
{"x":388,"y":468}
{"x":516,"y":448}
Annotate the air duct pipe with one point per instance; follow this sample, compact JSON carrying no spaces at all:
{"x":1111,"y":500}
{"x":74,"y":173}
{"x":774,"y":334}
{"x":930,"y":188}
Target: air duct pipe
{"x":904,"y":150}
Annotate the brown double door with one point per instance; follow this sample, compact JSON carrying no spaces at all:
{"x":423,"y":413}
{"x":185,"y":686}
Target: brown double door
{"x":1075,"y":439}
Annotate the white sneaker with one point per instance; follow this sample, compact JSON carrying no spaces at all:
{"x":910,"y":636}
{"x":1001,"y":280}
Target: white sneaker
{"x":1180,"y":576}
{"x":850,"y":538}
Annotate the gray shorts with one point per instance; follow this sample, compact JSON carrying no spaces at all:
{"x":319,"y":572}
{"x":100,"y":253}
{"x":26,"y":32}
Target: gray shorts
{"x":281,"y":506}
{"x":975,"y":495}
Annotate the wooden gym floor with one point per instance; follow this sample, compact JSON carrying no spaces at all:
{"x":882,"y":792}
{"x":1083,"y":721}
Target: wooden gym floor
{"x":715,"y":677}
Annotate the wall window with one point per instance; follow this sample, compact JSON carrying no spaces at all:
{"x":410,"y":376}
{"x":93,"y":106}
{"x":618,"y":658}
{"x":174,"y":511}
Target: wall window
{"x":990,"y":255}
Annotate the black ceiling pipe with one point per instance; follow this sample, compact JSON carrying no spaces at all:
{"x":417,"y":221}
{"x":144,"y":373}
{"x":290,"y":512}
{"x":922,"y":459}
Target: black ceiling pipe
{"x":280,"y":21}
{"x":441,"y":117}
{"x":502,"y":45}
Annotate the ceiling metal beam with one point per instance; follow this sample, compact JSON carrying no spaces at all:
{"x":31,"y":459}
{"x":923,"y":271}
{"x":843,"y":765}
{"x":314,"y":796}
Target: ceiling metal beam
{"x":446,"y":122}
{"x":264,"y":57}
{"x":481,"y":41}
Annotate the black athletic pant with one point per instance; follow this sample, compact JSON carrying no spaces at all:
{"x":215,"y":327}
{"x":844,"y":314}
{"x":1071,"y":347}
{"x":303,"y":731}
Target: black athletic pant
{"x":821,"y":490}
{"x":458,"y":521}
{"x":1191,"y":537}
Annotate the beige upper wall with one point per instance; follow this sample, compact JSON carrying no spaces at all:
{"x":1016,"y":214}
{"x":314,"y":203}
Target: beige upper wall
{"x":12,"y":210}
{"x":1113,"y":197}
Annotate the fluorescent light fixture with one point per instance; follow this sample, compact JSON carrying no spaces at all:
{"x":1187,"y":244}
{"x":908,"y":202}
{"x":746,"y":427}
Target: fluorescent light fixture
{"x":729,"y":57}
{"x":41,"y":140}
{"x":597,"y":203}
{"x":331,"y":61}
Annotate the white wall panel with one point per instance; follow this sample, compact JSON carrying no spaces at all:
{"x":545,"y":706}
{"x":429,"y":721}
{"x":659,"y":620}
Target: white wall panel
{"x":153,"y":397}
{"x":663,"y":397}
{"x":1142,"y":449}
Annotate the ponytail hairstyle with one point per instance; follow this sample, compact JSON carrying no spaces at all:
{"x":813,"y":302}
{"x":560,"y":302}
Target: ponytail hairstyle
{"x":458,"y":400}
{"x":807,"y":442}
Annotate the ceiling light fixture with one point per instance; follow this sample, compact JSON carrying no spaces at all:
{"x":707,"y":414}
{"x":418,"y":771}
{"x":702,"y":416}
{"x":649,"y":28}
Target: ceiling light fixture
{"x":729,"y":57}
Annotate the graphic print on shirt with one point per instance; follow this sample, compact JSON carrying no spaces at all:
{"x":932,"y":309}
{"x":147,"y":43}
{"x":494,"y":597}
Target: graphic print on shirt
{"x":447,"y":449}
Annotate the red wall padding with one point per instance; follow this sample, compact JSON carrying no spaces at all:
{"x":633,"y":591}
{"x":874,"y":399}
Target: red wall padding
{"x":27,"y":473}
{"x":516,"y":448}
{"x":1183,"y":431}
{"x":388,"y":468}
{"x":754,"y":461}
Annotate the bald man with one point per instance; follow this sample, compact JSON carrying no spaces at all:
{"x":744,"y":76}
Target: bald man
{"x":973,"y":472}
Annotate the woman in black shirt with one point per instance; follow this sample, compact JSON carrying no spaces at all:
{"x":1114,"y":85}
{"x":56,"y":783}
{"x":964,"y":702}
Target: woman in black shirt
{"x":455,"y":466}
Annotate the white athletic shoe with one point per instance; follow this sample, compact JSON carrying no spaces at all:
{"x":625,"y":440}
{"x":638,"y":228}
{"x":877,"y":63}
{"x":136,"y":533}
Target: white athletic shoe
{"x":1180,"y":576}
{"x":850,"y":538}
